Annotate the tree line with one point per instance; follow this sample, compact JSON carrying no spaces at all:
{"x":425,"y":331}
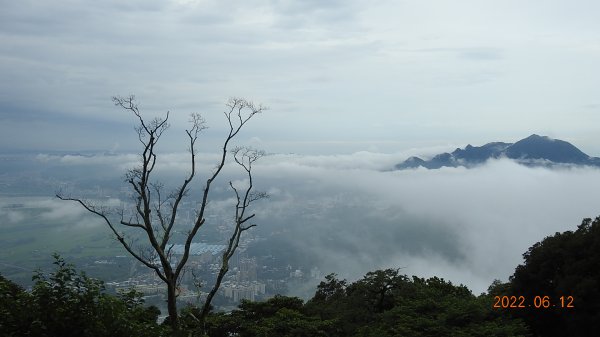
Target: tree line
{"x":382,"y":303}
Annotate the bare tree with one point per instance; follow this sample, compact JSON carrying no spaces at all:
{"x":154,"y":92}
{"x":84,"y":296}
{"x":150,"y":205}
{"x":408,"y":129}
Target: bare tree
{"x":155,"y":213}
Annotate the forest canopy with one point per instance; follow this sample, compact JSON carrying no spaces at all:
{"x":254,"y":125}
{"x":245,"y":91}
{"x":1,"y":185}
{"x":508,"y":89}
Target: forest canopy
{"x":382,"y":303}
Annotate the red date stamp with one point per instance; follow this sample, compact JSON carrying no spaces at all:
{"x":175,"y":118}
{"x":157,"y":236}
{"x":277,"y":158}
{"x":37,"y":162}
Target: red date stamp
{"x":537,"y":302}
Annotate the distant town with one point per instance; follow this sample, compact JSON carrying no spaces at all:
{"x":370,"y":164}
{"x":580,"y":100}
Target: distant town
{"x":253,"y":275}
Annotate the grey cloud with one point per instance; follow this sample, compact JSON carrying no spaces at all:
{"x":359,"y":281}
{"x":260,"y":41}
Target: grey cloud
{"x":66,"y":59}
{"x":469,"y":53}
{"x":11,"y":216}
{"x":467,"y":225}
{"x":331,"y":8}
{"x":64,"y":63}
{"x":59,"y":210}
{"x":482,"y":54}
{"x":470,"y":226}
{"x":34,"y":18}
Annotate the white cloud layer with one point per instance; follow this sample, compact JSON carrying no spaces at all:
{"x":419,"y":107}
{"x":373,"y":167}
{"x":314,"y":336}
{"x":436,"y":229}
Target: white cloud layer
{"x":349,"y":214}
{"x":469,"y":225}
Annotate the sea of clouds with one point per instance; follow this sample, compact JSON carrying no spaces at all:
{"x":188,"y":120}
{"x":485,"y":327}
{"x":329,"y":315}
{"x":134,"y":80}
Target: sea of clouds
{"x":351,"y":214}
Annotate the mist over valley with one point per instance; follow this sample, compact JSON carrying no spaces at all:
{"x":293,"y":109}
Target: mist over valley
{"x":344,"y":214}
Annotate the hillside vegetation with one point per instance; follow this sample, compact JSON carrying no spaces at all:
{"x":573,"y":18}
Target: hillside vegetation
{"x":556,"y":290}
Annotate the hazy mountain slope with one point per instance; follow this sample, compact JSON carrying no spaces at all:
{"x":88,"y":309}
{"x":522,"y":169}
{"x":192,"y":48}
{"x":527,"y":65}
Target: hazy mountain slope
{"x":532,"y":151}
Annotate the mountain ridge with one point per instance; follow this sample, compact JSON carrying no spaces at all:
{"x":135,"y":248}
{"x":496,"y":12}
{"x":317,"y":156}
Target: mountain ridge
{"x":534,"y":150}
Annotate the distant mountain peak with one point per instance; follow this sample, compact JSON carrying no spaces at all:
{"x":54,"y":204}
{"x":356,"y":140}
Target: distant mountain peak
{"x":534,"y":150}
{"x":541,"y":147}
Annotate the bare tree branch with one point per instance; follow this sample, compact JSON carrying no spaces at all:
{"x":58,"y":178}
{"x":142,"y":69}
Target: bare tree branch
{"x":244,"y":157}
{"x":233,"y":104}
{"x":156,"y":216}
{"x":119,"y":237}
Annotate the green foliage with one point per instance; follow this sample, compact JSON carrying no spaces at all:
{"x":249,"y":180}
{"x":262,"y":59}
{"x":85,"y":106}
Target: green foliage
{"x":382,"y":303}
{"x":330,"y":289}
{"x":65,"y":303}
{"x":15,"y":304}
{"x":278,"y":316}
{"x":434,"y":307}
{"x":385,"y":303}
{"x":565,"y":264}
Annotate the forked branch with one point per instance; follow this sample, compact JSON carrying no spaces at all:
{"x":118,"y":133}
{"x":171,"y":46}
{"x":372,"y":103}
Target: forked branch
{"x":155,"y":213}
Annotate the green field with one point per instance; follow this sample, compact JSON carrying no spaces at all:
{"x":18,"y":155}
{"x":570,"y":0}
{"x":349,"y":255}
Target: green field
{"x":33,"y":228}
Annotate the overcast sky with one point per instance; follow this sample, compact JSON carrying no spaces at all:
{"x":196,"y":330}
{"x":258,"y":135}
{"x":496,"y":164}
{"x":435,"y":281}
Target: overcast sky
{"x":339,"y":76}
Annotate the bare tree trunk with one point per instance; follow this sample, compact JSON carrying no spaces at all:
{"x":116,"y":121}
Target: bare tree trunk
{"x":172,"y":304}
{"x":206,"y":307}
